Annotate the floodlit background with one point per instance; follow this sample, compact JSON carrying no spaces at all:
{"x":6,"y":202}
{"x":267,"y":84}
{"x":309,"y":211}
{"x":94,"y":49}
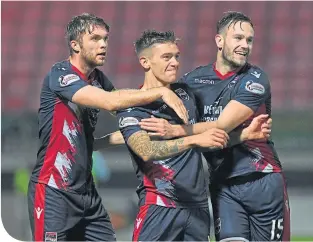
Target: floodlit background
{"x":33,"y":40}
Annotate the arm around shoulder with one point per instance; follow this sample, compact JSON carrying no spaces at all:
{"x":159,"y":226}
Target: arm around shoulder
{"x":111,"y":101}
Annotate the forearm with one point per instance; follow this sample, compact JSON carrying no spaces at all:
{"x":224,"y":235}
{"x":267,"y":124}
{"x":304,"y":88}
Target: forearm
{"x":165,"y":149}
{"x":112,"y":101}
{"x":192,"y":129}
{"x":129,"y":98}
{"x":157,"y":150}
{"x":109,"y":140}
{"x":235,"y":137}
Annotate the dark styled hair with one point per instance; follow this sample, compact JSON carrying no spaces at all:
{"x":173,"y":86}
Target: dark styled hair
{"x":230,"y":18}
{"x":151,"y":37}
{"x":81,"y":24}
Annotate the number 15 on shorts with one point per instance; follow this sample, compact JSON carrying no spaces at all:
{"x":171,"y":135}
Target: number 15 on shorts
{"x":277,"y":229}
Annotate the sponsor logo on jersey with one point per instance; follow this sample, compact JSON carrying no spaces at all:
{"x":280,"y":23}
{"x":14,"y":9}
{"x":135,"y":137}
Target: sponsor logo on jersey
{"x":204,"y":81}
{"x":254,"y":87}
{"x":68,"y":79}
{"x":128,"y":121}
{"x":212,"y":109}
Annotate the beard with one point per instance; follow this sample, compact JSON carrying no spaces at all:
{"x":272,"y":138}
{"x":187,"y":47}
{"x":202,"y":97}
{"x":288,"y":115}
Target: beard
{"x":229,"y":61}
{"x":90,"y":60}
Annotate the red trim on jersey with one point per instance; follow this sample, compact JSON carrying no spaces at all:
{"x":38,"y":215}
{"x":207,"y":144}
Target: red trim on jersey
{"x":52,"y":148}
{"x":151,"y":196}
{"x":39,"y":212}
{"x":140,"y":219}
{"x":220,"y":75}
{"x":260,"y":110}
{"x":58,"y":143}
{"x":286,"y":229}
{"x":265,"y":150}
{"x":268,"y":156}
{"x":82,"y":75}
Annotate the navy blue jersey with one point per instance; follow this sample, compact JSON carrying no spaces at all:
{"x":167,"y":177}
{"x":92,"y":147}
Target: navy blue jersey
{"x":213,"y":92}
{"x":174,"y":182}
{"x":64,"y":158}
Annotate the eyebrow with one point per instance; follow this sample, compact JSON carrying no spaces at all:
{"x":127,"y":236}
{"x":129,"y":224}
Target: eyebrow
{"x":242,"y":35}
{"x":98,"y":36}
{"x":171,"y":53}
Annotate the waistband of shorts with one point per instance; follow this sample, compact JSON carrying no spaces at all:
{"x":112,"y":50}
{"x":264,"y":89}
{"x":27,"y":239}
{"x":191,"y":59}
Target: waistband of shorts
{"x":204,"y":204}
{"x":84,"y":189}
{"x":243,"y":178}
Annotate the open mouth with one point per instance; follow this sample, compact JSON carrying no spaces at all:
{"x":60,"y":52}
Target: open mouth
{"x":241,"y":53}
{"x":103,"y":54}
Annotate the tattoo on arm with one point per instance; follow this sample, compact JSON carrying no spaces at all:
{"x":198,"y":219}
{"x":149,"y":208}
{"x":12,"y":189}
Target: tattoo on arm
{"x":148,"y":150}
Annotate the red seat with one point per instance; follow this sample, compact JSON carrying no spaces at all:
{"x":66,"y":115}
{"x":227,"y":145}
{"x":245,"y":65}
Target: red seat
{"x":33,"y":39}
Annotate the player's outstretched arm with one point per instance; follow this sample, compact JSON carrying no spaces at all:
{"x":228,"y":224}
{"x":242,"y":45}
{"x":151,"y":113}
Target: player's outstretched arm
{"x":141,"y":143}
{"x":233,"y":115}
{"x":117,"y":100}
{"x":161,"y":127}
{"x":108,"y":141}
{"x":259,"y":129}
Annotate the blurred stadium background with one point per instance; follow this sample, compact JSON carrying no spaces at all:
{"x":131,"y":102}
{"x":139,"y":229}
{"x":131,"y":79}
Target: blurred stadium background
{"x":33,"y":39}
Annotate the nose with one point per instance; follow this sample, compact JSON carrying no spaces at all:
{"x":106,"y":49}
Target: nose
{"x":245,"y":44}
{"x":175,"y":62}
{"x":103,"y":43}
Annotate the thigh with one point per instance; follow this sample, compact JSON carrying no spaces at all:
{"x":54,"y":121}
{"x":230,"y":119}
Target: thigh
{"x":230,"y":217}
{"x":157,"y":223}
{"x":198,"y":225}
{"x":49,"y":213}
{"x":269,"y":206}
{"x":97,"y":223}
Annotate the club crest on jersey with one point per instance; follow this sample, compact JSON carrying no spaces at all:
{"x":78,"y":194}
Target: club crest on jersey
{"x":95,"y":83}
{"x":68,"y":79}
{"x":254,"y":87}
{"x":128,"y":121}
{"x":181,"y":92}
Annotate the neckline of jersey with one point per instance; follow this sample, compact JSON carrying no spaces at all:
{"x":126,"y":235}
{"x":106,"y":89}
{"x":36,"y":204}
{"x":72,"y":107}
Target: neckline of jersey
{"x":82,"y":75}
{"x":220,"y":75}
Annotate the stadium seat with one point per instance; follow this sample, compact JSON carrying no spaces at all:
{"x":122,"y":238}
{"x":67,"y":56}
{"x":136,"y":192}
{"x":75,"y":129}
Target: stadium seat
{"x":33,"y":39}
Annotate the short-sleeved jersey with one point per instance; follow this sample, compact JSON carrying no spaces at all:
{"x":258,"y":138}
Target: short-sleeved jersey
{"x":251,"y":87}
{"x":64,"y":158}
{"x":178,"y":181}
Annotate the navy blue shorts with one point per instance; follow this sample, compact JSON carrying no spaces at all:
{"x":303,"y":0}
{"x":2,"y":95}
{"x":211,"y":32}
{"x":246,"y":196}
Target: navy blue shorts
{"x":157,"y":223}
{"x":57,"y":215}
{"x":252,"y":208}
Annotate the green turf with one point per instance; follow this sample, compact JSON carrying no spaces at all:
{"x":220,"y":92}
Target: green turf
{"x":300,"y":238}
{"x":293,"y":238}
